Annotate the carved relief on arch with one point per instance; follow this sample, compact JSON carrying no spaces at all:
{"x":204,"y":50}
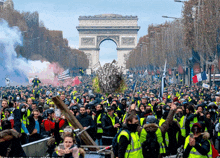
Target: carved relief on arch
{"x":87,"y":41}
{"x":102,"y":38}
{"x":128,"y":41}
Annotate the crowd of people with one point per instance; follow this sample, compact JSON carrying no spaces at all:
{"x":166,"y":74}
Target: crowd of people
{"x":142,"y":123}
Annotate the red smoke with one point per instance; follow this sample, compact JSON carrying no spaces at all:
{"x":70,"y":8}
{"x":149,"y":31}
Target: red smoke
{"x":49,"y":76}
{"x":56,"y":69}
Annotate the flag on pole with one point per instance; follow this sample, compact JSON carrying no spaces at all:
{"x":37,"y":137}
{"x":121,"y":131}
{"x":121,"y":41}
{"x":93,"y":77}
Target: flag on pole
{"x":195,"y":79}
{"x":162,"y":80}
{"x":199,"y":77}
{"x":65,"y":75}
{"x":204,"y":76}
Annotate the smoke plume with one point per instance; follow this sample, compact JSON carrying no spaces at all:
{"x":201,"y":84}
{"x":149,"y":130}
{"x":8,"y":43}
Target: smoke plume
{"x":18,"y":69}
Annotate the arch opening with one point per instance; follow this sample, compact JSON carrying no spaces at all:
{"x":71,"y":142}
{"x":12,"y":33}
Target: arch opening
{"x":108,"y":51}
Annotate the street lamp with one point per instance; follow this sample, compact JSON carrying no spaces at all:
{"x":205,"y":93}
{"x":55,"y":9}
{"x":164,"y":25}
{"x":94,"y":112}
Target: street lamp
{"x":135,"y":58}
{"x":171,"y":17}
{"x":179,"y":1}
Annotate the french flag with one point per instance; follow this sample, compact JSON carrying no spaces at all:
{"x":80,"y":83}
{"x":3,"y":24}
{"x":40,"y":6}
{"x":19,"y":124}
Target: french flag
{"x":199,"y":77}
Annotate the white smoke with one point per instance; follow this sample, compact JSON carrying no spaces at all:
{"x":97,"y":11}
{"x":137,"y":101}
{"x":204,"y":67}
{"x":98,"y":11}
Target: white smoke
{"x":18,"y":69}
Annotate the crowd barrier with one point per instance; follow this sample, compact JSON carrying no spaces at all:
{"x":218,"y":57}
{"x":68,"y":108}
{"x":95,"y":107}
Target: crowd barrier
{"x":39,"y":149}
{"x":103,"y":152}
{"x":107,"y":154}
{"x":36,"y":148}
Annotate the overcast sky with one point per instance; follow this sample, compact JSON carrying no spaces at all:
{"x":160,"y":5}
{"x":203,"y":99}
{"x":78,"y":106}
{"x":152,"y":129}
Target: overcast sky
{"x":63,"y":15}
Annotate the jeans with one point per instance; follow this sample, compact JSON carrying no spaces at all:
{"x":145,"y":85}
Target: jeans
{"x":98,"y":141}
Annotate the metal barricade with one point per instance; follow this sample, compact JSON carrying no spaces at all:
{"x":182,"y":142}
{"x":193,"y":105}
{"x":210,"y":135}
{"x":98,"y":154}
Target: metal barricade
{"x":105,"y":154}
{"x":36,"y":148}
{"x":104,"y":151}
{"x":172,"y":156}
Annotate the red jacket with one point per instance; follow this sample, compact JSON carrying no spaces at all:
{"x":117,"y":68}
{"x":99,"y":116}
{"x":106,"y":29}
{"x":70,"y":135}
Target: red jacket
{"x":48,"y":124}
{"x":61,"y":123}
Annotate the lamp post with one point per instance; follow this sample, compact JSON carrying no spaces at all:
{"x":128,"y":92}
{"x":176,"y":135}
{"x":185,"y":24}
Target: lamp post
{"x":169,"y":17}
{"x":135,"y":58}
{"x":141,"y":45}
{"x":177,"y":21}
{"x":180,"y":1}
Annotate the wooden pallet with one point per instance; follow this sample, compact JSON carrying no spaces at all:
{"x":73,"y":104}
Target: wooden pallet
{"x":74,"y":122}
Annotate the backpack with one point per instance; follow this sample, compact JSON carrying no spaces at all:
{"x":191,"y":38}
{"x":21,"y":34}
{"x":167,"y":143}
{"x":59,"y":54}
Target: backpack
{"x":115,"y":143}
{"x":151,"y":147}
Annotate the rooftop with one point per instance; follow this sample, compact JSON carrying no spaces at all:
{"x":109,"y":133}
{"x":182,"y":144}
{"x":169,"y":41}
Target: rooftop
{"x":108,"y":16}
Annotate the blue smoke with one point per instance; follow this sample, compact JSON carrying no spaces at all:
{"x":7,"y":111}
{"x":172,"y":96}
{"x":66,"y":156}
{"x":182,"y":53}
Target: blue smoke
{"x":11,"y":66}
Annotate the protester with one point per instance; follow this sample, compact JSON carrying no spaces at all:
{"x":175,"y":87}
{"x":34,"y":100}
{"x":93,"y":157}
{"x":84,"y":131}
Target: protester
{"x":197,"y":145}
{"x":48,"y":122}
{"x":151,"y":135}
{"x":68,"y":149}
{"x":110,"y":125}
{"x":10,"y":144}
{"x":130,"y":147}
{"x":106,"y":114}
{"x":86,"y":121}
{"x":34,"y":127}
{"x":98,"y":120}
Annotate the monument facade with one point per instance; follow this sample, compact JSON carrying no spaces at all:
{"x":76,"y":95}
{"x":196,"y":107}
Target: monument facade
{"x":93,"y":30}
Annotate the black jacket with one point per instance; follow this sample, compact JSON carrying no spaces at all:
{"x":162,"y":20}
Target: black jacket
{"x":107,"y":126}
{"x":17,"y":120}
{"x":174,"y":143}
{"x":202,"y":146}
{"x":16,"y":149}
{"x":31,"y":125}
{"x":86,"y":121}
{"x":199,"y":118}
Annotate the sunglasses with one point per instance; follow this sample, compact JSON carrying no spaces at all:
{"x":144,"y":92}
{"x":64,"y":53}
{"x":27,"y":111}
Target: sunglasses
{"x":67,"y":130}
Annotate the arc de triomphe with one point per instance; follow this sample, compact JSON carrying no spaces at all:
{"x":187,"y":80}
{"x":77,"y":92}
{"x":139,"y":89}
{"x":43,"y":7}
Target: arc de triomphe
{"x":93,"y":30}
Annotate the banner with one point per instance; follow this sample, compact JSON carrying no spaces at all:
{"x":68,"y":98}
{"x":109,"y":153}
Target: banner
{"x":204,"y":85}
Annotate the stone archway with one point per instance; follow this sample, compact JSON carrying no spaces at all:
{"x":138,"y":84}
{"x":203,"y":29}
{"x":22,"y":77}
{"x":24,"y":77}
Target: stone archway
{"x":93,"y":30}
